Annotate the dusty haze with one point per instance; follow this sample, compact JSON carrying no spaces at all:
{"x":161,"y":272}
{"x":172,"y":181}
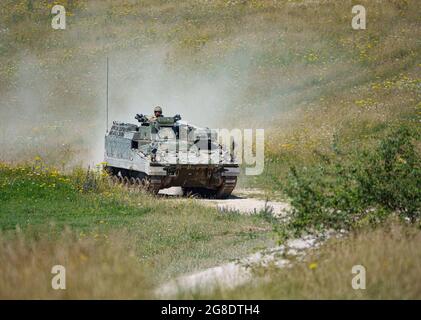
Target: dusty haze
{"x":245,"y":64}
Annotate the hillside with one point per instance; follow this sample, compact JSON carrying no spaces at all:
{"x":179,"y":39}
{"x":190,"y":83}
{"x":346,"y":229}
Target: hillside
{"x":341,"y":110}
{"x":295,"y":68}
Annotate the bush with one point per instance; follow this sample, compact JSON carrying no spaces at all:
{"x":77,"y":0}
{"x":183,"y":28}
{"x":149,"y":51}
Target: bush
{"x":90,"y":180}
{"x":347,"y":191}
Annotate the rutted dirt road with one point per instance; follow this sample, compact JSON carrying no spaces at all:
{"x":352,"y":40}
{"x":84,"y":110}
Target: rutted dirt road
{"x":233,"y":274}
{"x":241,"y":202}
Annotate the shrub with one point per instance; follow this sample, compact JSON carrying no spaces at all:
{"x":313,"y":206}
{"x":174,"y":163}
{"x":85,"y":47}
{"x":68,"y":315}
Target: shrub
{"x":363,"y":187}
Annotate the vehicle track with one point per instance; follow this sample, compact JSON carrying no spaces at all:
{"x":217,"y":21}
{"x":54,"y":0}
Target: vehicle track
{"x":233,"y":274}
{"x":239,"y":202}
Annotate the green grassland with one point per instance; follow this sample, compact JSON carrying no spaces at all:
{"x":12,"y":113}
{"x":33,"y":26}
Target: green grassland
{"x":331,"y":100}
{"x":171,"y":235}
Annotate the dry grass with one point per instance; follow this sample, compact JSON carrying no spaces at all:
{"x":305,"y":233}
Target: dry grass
{"x":390,"y":255}
{"x":295,"y":68}
{"x":95,"y":269}
{"x":297,"y":61}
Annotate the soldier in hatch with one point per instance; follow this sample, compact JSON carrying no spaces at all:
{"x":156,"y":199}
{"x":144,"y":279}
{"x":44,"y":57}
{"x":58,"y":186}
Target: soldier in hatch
{"x":157,"y":113}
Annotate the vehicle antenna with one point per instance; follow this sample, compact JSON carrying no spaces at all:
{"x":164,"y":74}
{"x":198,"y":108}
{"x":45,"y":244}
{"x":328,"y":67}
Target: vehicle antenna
{"x":107,"y":99}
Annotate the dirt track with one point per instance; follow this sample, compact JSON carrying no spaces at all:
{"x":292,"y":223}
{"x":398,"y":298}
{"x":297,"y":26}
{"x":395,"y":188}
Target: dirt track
{"x":241,"y":202}
{"x":233,"y":274}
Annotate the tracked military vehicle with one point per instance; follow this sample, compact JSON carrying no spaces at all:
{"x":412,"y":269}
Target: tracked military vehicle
{"x":164,"y":152}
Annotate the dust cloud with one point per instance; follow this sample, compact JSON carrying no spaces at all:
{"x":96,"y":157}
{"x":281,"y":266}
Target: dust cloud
{"x":59,"y":113}
{"x":54,"y":103}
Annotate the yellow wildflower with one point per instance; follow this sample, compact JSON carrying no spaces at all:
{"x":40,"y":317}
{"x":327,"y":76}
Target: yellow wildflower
{"x":313,"y":266}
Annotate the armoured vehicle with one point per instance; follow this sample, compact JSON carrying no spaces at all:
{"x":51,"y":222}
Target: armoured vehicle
{"x":164,"y":152}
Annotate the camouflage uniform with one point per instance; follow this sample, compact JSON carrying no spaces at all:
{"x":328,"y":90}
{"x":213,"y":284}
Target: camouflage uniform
{"x":154,"y":117}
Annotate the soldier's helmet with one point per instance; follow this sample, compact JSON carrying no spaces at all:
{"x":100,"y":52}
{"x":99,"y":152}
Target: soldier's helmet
{"x":157,"y":109}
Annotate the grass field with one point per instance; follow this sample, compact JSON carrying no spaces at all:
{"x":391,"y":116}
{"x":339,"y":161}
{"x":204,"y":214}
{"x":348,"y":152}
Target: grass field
{"x":323,"y":92}
{"x":168,"y":237}
{"x":295,"y":68}
{"x":389,"y":255}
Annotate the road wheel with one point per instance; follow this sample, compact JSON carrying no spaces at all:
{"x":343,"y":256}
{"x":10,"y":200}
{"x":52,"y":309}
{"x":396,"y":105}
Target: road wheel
{"x":225,"y":190}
